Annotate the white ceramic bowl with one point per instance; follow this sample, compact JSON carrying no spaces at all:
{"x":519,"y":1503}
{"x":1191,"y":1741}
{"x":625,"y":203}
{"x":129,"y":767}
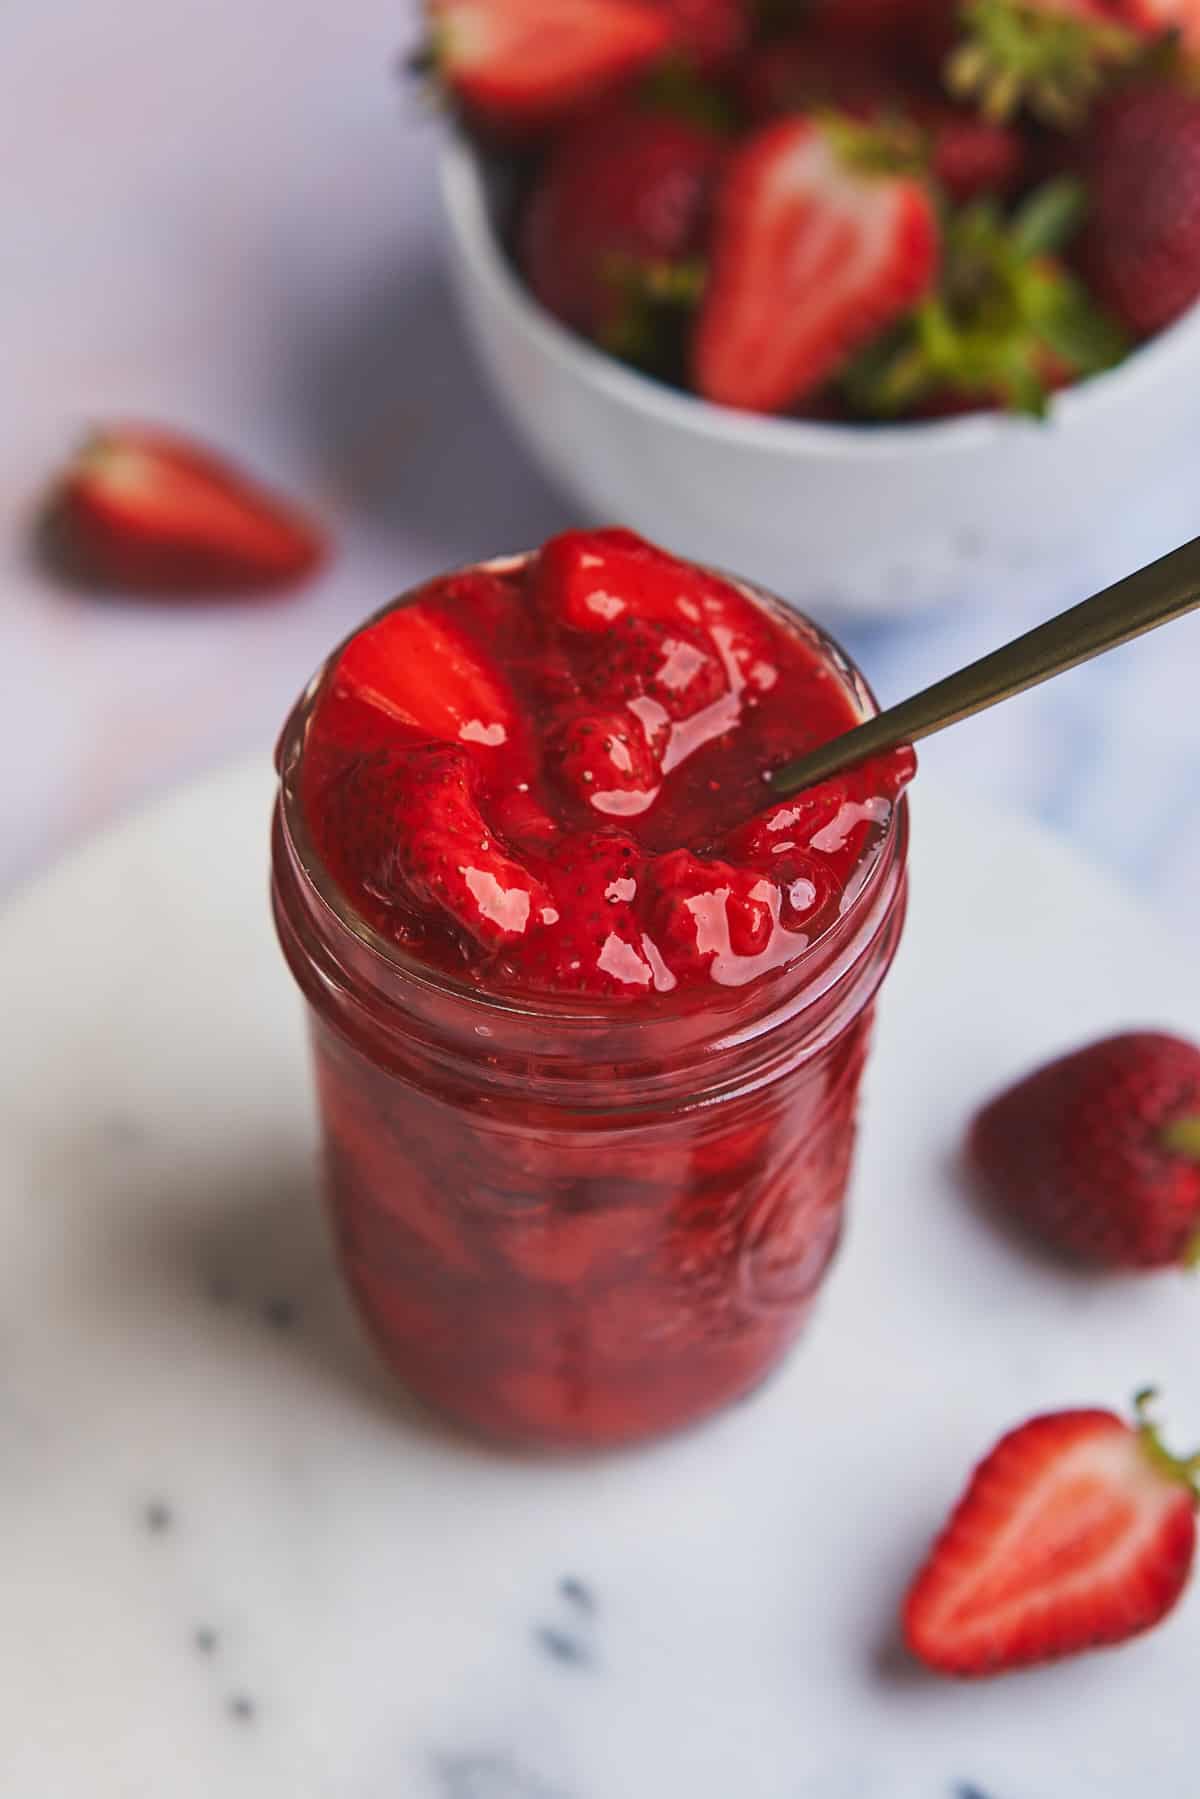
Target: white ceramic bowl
{"x":851,"y":519}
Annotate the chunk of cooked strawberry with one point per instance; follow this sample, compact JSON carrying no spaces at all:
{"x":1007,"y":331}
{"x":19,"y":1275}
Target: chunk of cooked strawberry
{"x":792,"y":822}
{"x":521,"y":64}
{"x":605,"y":760}
{"x":597,"y":944}
{"x":707,"y":912}
{"x":587,"y":580}
{"x":419,"y":838}
{"x":591,"y":580}
{"x":641,"y":658}
{"x":814,"y":253}
{"x":416,"y":666}
{"x":150,"y":511}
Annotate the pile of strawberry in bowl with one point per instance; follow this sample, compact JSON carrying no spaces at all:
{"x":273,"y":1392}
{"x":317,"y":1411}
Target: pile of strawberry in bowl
{"x":743,"y":270}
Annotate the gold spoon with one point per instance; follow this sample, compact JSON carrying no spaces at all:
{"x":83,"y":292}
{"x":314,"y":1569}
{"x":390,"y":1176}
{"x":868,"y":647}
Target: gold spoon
{"x":1164,"y":590}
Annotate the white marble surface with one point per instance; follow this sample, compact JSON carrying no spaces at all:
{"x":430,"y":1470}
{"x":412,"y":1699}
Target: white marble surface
{"x":222,"y":215}
{"x":235,"y":1563}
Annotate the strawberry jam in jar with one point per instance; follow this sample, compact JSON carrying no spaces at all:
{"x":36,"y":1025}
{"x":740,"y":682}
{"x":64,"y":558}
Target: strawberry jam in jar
{"x":589,"y":1005}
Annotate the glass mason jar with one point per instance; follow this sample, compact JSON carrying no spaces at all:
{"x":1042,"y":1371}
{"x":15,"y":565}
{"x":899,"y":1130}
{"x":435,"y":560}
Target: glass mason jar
{"x":569,"y":1225}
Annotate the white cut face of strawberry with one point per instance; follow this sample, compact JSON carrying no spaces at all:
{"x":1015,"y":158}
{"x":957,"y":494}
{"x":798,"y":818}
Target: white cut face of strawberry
{"x":1078,"y":1530}
{"x":812,"y":256}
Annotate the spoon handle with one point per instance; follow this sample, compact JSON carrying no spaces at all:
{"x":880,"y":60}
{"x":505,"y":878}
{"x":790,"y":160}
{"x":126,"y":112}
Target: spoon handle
{"x":1152,"y":596}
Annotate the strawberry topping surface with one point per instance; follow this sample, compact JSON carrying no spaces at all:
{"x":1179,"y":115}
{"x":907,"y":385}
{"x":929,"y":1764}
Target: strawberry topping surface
{"x":548,"y":776}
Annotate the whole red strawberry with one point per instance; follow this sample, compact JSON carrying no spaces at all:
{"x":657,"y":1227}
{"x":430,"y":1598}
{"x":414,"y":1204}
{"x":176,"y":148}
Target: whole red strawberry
{"x":1078,"y":1531}
{"x":1098,"y":1154}
{"x":622,"y":198}
{"x":710,"y":33}
{"x":1141,"y":249}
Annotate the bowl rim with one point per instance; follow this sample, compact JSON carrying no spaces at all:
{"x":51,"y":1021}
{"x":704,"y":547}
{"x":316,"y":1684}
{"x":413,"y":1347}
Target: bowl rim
{"x":465,"y":203}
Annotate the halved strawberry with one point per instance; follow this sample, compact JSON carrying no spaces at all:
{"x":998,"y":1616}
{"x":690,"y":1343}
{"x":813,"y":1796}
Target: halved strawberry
{"x":967,"y":154}
{"x":1007,"y":326}
{"x":1077,"y":1531}
{"x":814,"y":253}
{"x":516,"y":64}
{"x":415,"y":666}
{"x":147,"y":510}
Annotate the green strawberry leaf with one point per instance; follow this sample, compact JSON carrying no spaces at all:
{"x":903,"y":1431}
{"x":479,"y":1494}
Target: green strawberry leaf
{"x":1049,"y":218}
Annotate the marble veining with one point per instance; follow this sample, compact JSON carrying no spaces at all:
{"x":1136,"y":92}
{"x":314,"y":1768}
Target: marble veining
{"x":489,"y":1777}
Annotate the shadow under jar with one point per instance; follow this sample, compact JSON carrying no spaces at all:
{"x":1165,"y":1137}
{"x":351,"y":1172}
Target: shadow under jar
{"x":567,"y":1225}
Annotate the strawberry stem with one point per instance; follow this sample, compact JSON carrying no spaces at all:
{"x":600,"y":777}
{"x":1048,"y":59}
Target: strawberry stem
{"x":1182,"y":1137}
{"x":1183,"y":1469}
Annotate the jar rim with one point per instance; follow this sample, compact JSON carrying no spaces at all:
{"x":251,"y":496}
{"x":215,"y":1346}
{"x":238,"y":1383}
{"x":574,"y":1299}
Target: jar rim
{"x":563,"y":1008}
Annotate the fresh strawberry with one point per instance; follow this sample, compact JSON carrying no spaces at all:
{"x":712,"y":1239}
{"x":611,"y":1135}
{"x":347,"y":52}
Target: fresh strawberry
{"x":516,"y":65}
{"x":866,"y":24}
{"x":1007,"y":325}
{"x":1052,"y":57}
{"x":417,"y":667}
{"x":710,"y":33}
{"x":147,"y":510}
{"x":810,"y":69}
{"x":971,"y":156}
{"x":1141,"y":246}
{"x":1076,"y":1532}
{"x":967,"y":154}
{"x":1157,"y":17}
{"x":1098,"y":1154}
{"x":814,"y":254}
{"x":705,"y":909}
{"x":615,"y":215}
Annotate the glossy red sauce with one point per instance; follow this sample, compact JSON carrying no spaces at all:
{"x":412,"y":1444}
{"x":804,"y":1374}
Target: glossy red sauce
{"x":549,"y":778}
